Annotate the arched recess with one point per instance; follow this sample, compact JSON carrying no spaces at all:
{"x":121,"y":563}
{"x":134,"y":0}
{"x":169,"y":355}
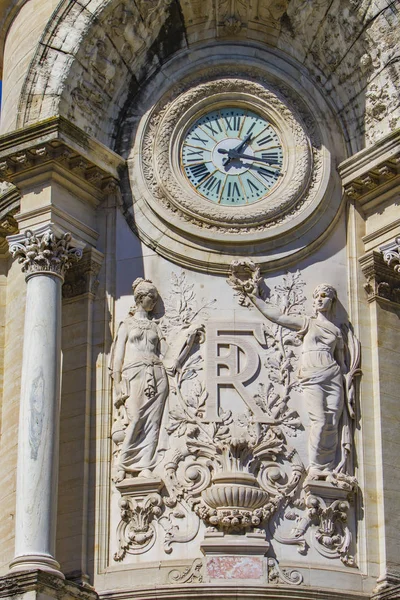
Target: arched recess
{"x":95,"y":54}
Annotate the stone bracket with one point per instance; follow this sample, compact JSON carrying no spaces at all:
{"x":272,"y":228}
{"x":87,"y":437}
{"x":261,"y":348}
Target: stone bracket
{"x":383,"y":282}
{"x":368,"y":174}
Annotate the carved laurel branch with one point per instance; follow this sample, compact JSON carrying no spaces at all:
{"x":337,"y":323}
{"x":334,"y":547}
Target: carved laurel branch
{"x":165,"y":187}
{"x":45,"y":252}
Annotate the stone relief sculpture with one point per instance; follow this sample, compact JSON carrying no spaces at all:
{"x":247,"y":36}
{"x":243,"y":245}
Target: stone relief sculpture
{"x":326,"y":380}
{"x":139,"y":370}
{"x":186,"y":463}
{"x":329,"y":364}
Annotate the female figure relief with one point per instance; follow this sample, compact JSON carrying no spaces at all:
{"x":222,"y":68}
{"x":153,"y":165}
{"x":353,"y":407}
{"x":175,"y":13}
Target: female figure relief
{"x":324,"y":378}
{"x":141,"y":381}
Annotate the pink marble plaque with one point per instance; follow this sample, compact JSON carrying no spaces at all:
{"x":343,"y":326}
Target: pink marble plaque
{"x":235,"y":567}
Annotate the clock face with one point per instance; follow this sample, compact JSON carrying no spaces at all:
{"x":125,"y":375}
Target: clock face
{"x":232,"y":156}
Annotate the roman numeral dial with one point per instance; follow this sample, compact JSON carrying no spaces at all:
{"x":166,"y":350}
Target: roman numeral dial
{"x":232,"y":156}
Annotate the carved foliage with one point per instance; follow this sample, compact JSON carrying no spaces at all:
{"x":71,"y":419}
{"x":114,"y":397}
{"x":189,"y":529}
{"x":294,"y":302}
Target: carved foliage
{"x":235,"y":472}
{"x":193,"y":574}
{"x":45,"y":251}
{"x":391,"y":255}
{"x":136,"y":533}
{"x":276,"y":575}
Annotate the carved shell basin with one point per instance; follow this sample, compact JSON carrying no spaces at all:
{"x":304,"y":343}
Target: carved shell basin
{"x":234,"y":495}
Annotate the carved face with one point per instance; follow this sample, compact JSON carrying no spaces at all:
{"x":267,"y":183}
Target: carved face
{"x":146,"y":296}
{"x":324,"y":298}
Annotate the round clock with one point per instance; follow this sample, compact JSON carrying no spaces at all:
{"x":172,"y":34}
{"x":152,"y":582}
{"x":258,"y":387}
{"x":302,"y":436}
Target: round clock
{"x":227,"y":164}
{"x":232,"y":156}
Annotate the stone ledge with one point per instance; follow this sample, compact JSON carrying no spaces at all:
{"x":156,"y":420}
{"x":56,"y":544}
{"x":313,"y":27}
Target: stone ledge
{"x":58,"y":140}
{"x":392,"y":592}
{"x":368,"y":173}
{"x":233,"y":591}
{"x":17,"y":584}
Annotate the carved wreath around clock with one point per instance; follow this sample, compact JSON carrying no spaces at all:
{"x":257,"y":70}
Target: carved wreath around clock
{"x":271,"y":178}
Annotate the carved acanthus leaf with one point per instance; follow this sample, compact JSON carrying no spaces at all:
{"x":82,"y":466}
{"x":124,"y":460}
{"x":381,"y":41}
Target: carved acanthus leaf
{"x":45,"y":250}
{"x":276,"y":575}
{"x":193,"y":574}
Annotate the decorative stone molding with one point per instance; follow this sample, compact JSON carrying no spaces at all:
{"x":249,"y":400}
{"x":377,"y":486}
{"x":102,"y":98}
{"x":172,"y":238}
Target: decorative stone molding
{"x":277,"y":576}
{"x":240,"y":591}
{"x":383,"y":282}
{"x":56,"y":141}
{"x":38,"y":582}
{"x":367,"y":174}
{"x":48,"y":249}
{"x":193,"y":574}
{"x":82,"y":277}
{"x":391,"y":254}
{"x":388,"y":589}
{"x":327,"y":507}
{"x":140,"y":504}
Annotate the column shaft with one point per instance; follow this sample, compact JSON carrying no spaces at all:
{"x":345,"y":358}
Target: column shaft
{"x":45,"y":255}
{"x":39,"y":425}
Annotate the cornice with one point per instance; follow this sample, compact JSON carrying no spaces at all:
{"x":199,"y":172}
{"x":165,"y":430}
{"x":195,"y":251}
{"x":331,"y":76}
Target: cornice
{"x":57,"y":140}
{"x":372,"y":171}
{"x":16,"y":584}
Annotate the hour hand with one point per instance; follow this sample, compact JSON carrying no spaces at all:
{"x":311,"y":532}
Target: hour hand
{"x":237,"y":148}
{"x":242,"y":144}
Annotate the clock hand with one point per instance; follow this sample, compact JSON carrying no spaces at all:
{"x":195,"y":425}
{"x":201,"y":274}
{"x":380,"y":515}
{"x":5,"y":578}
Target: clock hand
{"x":233,"y":154}
{"x":246,"y":140}
{"x":254,"y":158}
{"x":237,"y":148}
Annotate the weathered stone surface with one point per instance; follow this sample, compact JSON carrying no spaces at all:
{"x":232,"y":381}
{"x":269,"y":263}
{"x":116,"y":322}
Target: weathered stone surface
{"x":234,"y":452}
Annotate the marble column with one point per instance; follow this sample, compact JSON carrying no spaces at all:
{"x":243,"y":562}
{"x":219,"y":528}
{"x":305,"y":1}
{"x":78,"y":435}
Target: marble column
{"x":44,"y":254}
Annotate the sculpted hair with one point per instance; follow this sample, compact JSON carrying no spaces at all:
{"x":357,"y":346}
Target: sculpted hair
{"x":330,"y":292}
{"x":137,"y":284}
{"x":328,"y":289}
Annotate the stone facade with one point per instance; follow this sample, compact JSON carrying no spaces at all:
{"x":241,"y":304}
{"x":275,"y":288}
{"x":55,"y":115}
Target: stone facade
{"x":199,"y":299}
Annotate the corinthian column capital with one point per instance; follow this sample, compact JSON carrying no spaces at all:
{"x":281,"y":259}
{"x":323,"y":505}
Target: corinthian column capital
{"x":47,"y":249}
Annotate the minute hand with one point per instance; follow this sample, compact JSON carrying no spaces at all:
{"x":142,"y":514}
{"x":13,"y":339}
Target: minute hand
{"x":234,"y":154}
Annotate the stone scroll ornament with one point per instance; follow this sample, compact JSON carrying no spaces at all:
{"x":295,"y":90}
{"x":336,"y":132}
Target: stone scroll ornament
{"x":329,"y":365}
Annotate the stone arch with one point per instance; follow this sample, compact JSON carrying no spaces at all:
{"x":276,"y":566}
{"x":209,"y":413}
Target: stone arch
{"x":94,"y":55}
